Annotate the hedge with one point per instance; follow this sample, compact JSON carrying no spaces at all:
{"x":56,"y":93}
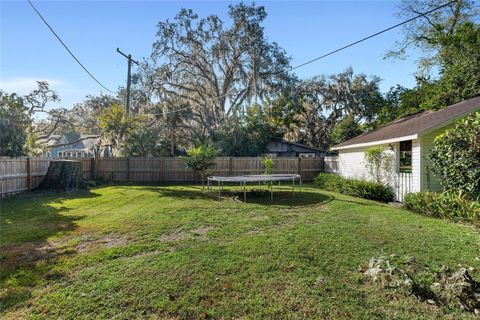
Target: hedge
{"x":354,"y":187}
{"x":447,"y":205}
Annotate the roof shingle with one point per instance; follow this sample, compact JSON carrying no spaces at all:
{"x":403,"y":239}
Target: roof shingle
{"x":416,"y":123}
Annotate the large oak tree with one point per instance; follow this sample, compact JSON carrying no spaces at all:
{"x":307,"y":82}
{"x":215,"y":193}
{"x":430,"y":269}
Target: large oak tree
{"x":217,"y":67}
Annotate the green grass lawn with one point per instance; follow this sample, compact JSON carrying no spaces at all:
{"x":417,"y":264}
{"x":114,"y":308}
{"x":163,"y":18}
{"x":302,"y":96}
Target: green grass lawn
{"x":176,"y":252}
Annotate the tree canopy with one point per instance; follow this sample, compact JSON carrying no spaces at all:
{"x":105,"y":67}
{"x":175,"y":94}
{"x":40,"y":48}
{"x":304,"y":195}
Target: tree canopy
{"x":215,"y":67}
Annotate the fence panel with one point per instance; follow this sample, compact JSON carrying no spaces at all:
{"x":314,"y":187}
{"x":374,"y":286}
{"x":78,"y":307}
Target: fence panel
{"x":311,"y":167}
{"x":114,"y":169}
{"x":13,"y":175}
{"x":331,"y":164}
{"x":39,"y":168}
{"x":24,"y":173}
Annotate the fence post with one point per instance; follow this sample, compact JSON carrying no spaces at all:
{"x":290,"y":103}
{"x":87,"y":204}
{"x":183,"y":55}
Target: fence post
{"x":93,"y":169}
{"x":29,"y":174}
{"x":230,"y":166}
{"x":300,"y":166}
{"x":128,"y":169}
{"x":162,"y":172}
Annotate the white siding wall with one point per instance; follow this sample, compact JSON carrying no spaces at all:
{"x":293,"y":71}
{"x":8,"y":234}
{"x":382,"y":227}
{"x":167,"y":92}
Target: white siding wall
{"x":429,"y":182}
{"x":352,"y":164}
{"x":416,"y":165}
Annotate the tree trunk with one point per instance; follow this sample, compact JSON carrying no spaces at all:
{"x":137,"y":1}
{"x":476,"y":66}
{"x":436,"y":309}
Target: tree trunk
{"x":65,"y":175}
{"x":172,"y":141}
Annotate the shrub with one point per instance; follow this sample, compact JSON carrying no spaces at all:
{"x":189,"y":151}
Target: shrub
{"x":267,"y":165}
{"x":379,"y":164}
{"x":456,"y":156}
{"x":353,"y":187}
{"x":447,"y":205}
{"x":200,"y":159}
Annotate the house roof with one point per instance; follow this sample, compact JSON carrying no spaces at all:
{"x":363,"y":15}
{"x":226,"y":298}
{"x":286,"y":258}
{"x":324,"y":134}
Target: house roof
{"x":73,"y":141}
{"x":287,"y":146}
{"x":412,"y":126}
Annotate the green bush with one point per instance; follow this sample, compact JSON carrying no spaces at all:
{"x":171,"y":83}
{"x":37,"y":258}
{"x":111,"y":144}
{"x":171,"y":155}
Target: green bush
{"x":447,"y":205}
{"x":456,"y":157}
{"x":353,"y":187}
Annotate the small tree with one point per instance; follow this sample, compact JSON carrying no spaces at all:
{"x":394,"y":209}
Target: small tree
{"x":200,"y":159}
{"x":379,"y":164}
{"x":456,"y":156}
{"x":267,"y":165}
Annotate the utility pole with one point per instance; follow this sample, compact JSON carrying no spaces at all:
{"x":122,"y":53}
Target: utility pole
{"x":127,"y":102}
{"x":129,"y":78}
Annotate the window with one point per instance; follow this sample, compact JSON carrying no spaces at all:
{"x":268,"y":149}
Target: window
{"x":306,"y":155}
{"x":270,"y":155}
{"x":60,"y":154}
{"x":405,"y":156}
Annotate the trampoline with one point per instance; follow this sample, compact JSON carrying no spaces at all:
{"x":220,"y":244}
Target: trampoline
{"x":243,"y":180}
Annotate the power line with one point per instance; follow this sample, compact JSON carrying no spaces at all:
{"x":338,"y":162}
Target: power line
{"x":341,"y":48}
{"x":65,"y":46}
{"x":372,"y":35}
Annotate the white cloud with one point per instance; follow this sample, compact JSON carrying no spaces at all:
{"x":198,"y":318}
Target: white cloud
{"x":23,"y":85}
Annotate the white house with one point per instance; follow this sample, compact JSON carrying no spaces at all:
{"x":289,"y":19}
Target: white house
{"x":73,"y":145}
{"x":410,"y":141}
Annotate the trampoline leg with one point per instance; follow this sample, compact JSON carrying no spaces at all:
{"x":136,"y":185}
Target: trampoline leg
{"x":271,"y":190}
{"x":218,"y":190}
{"x":244,"y":192}
{"x":293,"y":185}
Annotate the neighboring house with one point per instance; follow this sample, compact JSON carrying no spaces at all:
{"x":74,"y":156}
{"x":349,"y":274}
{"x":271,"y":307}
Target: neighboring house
{"x":410,"y":141}
{"x":282,"y":148}
{"x":72,"y":145}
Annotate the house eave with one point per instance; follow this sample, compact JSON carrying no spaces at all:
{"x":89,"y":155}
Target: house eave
{"x":375,"y":143}
{"x":450,"y":121}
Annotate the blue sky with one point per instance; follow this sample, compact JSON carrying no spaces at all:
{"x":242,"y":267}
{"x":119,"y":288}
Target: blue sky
{"x":94,"y":29}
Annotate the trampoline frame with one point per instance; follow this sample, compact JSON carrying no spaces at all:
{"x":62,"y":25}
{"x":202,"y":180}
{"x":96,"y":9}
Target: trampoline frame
{"x":253,"y":178}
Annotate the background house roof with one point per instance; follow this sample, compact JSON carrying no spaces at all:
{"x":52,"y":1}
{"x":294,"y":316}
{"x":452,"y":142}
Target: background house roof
{"x":415,"y":124}
{"x":72,"y":140}
{"x":287,"y":146}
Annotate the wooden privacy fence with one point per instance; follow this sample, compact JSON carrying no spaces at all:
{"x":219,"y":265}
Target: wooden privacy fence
{"x":22,"y":174}
{"x":153,"y":170}
{"x":25,"y":173}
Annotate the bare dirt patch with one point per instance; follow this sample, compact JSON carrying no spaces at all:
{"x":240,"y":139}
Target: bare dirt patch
{"x":15,"y":255}
{"x":199,"y":233}
{"x":106,"y":241}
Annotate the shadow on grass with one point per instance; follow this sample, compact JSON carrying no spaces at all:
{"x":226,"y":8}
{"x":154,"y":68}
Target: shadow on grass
{"x":261,"y":196}
{"x":26,"y":255}
{"x":181,"y":192}
{"x":284,"y":198}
